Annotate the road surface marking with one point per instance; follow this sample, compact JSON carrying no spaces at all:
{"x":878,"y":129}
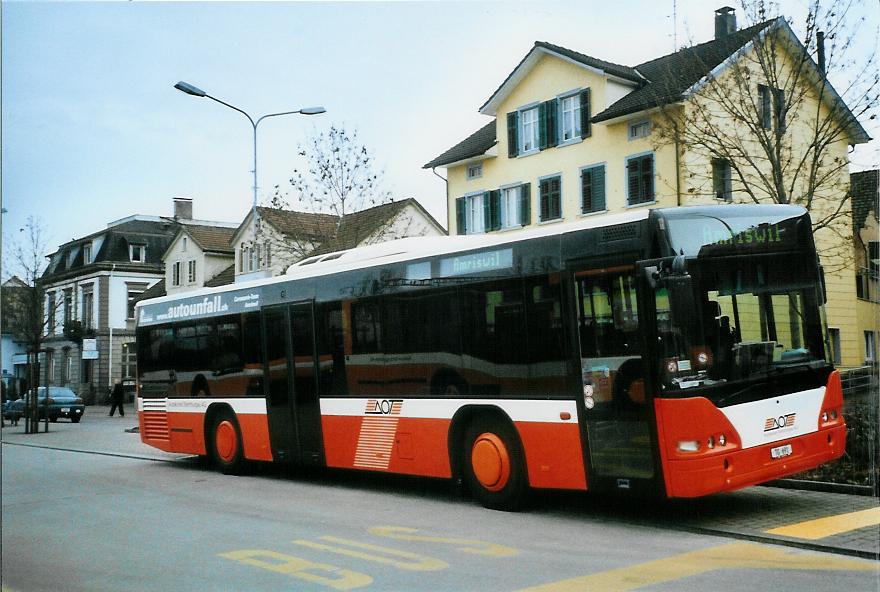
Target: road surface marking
{"x":732,"y":556}
{"x":318,"y":573}
{"x":412,"y":561}
{"x":474,"y":547}
{"x":830,"y":525}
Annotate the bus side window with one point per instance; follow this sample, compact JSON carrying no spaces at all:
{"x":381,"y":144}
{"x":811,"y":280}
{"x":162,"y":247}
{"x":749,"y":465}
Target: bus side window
{"x":547,"y":363}
{"x":367,"y":334}
{"x":331,"y":350}
{"x":227,"y":377}
{"x":252,"y":351}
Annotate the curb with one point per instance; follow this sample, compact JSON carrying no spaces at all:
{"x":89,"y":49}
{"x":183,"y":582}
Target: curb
{"x":824,"y":487}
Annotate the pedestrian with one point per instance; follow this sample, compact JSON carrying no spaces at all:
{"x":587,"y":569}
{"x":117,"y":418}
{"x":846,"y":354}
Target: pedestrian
{"x":116,"y":397}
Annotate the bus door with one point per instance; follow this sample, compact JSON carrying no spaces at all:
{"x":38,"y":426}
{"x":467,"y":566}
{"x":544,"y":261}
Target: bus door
{"x":616,"y":403}
{"x":291,"y":383}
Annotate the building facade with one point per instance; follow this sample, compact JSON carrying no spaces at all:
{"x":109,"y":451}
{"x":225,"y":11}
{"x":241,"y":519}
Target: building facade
{"x":574,"y":136}
{"x":284,"y":237}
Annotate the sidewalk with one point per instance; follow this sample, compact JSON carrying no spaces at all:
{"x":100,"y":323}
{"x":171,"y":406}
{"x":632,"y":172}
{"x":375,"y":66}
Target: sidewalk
{"x":96,"y":432}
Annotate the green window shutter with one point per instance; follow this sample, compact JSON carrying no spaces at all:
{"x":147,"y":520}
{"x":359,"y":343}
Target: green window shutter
{"x":512,"y":136}
{"x":552,"y":125}
{"x":487,"y":212}
{"x":495,"y":209}
{"x":542,"y":126}
{"x":525,"y":204}
{"x":586,"y":126}
{"x":598,"y":188}
{"x":460,"y":220}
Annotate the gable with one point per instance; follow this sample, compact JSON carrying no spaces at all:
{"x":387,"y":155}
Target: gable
{"x":581,"y":67}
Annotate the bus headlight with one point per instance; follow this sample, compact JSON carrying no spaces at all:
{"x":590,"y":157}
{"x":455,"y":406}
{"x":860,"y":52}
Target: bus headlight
{"x":688,"y":445}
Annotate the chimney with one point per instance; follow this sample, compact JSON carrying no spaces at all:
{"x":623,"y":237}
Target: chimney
{"x":820,"y":50}
{"x":183,"y":208}
{"x":725,"y":22}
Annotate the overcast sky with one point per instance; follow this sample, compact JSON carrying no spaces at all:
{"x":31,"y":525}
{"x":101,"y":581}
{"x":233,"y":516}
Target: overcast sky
{"x":93,"y":129}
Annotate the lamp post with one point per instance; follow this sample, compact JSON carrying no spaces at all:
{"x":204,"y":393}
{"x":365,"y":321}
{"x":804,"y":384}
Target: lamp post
{"x":197,"y":92}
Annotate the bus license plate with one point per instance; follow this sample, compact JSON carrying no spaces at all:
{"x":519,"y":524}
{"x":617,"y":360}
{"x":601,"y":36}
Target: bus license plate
{"x":781,"y":451}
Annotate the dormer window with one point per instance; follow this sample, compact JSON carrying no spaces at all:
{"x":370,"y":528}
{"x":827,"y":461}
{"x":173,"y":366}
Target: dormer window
{"x":137,"y":253}
{"x":87,"y":254}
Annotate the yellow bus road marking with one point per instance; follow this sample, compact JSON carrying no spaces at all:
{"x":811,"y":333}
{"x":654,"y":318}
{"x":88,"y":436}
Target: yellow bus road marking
{"x":310,"y":571}
{"x":414,"y":562}
{"x":732,"y":556}
{"x":830,"y":525}
{"x":474,"y":547}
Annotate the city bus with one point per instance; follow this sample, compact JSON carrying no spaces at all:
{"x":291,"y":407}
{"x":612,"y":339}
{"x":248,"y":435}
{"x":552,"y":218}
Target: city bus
{"x":674,"y":352}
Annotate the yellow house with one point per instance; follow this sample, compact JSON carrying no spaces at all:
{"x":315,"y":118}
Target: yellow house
{"x":575,"y":136}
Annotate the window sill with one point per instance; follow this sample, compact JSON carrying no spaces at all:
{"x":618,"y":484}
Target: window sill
{"x":590,"y":214}
{"x":510,"y":228}
{"x":529,"y":153}
{"x":641,"y":203}
{"x":572,"y":142}
{"x":551,"y":221}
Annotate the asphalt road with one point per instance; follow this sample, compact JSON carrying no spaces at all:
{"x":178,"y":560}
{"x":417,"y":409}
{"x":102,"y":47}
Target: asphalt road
{"x":79,"y":521}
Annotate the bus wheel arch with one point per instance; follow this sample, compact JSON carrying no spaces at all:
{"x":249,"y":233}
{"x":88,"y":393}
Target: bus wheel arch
{"x":486,"y":453}
{"x":223,"y":440}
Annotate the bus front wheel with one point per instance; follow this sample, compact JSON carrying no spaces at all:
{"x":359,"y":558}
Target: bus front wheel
{"x":226,"y":447}
{"x":493,"y":465}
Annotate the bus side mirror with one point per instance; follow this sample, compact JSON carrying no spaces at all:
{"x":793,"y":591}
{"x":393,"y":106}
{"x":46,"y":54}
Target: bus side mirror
{"x":681,"y":296}
{"x":652,"y":276}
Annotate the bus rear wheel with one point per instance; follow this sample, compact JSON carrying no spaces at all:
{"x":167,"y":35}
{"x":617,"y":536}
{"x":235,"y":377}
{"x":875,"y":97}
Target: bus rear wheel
{"x":493,"y":465}
{"x":225,"y":442}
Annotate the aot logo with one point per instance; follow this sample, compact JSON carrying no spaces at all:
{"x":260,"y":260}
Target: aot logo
{"x":777,"y":423}
{"x":383,"y":407}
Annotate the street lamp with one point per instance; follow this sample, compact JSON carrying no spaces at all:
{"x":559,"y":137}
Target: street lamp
{"x":197,"y":92}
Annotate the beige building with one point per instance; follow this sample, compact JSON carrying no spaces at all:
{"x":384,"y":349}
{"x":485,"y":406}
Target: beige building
{"x":573,"y":136}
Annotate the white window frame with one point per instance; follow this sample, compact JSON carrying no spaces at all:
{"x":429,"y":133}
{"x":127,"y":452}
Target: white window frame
{"x":191,"y":271}
{"x":87,"y":254}
{"x":575,"y":116}
{"x":475,"y":221}
{"x":511,"y":197}
{"x":175,"y":273}
{"x":142,"y":253}
{"x":637,"y":130}
{"x":870,"y":346}
{"x":474,"y":171}
{"x":535,"y":135}
{"x":183,"y":244}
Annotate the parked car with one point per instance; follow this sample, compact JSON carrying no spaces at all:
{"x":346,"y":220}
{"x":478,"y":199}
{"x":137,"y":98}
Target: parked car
{"x":62,"y":402}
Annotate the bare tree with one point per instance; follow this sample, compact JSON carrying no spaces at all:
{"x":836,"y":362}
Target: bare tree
{"x":321,"y":208}
{"x":771,"y":121}
{"x":27,"y":311}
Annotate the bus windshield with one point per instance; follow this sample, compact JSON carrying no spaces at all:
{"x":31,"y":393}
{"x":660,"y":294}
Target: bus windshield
{"x":732,"y":324}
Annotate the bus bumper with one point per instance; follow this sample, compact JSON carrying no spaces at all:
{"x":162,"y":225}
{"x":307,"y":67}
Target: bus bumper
{"x":742,"y":468}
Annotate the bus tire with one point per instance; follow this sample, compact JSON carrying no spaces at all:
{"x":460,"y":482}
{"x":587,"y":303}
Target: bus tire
{"x":225,"y":444}
{"x":493,"y":465}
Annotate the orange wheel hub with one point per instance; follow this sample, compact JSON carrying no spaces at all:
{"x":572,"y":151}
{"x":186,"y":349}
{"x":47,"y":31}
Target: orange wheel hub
{"x":490,"y":462}
{"x":226,"y":440}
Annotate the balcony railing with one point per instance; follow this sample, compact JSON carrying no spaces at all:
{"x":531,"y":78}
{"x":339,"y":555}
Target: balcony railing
{"x":868,"y":284}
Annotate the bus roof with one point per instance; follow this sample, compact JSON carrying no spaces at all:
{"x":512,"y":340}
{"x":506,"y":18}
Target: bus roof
{"x":407,"y":249}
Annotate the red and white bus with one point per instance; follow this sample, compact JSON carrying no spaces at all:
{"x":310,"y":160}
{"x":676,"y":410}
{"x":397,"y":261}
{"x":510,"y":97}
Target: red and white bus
{"x":678,"y":352}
